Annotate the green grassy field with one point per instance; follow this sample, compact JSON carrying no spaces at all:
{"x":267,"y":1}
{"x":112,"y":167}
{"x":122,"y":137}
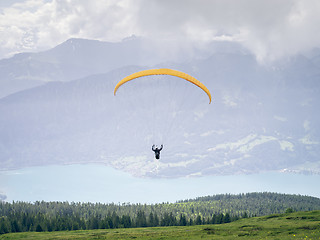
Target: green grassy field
{"x":299,"y":225}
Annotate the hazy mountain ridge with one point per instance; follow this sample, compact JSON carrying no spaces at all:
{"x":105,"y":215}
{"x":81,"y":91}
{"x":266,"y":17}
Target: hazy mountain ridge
{"x":73,"y":59}
{"x":263,"y":117}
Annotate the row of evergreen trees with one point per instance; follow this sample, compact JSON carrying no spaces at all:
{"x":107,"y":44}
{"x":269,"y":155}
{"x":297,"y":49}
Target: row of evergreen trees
{"x":23,"y":222}
{"x":58,"y":216}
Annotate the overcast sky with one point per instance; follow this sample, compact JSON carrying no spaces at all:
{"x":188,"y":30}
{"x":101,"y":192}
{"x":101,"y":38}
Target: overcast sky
{"x":269,"y":28}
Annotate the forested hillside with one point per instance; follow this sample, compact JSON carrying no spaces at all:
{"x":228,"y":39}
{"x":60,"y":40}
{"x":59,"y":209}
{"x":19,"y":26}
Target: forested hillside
{"x":58,"y":216}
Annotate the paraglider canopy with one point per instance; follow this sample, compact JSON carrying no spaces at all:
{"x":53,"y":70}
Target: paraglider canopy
{"x":164,"y":71}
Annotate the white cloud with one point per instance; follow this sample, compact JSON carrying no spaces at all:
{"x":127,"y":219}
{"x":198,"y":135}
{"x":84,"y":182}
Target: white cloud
{"x":281,"y":119}
{"x":199,"y":115}
{"x":229,"y":101}
{"x":234,"y":145}
{"x":245,"y":145}
{"x":258,"y":141}
{"x":181,"y":155}
{"x":285,"y":145}
{"x":306,"y":125}
{"x":209,"y":133}
{"x":307,"y":140}
{"x":269,"y":28}
{"x":45,"y":24}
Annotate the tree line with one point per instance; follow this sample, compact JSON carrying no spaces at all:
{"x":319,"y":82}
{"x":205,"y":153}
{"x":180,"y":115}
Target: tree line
{"x":217,"y":209}
{"x":37,"y":221}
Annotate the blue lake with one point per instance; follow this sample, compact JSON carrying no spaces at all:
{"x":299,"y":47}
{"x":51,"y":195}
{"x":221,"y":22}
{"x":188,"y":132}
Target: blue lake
{"x":98,"y":183}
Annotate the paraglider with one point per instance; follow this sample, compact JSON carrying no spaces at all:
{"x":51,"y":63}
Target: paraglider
{"x":163,"y":71}
{"x":157,"y":151}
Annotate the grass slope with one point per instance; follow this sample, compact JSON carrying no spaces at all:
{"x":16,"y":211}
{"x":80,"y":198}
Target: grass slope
{"x":298,"y":225}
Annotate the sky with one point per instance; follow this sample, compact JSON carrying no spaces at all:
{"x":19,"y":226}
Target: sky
{"x":270,"y":29}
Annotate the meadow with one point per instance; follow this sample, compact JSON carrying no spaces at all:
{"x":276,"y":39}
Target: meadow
{"x":296,"y":225}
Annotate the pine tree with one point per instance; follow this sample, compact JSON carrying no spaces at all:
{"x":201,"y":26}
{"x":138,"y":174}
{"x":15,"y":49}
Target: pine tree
{"x":245,"y":215}
{"x":183,"y":220}
{"x":4,"y":228}
{"x":213,"y":219}
{"x":115,"y":220}
{"x":126,"y":221}
{"x":109,"y":222}
{"x":190,"y":222}
{"x":39,"y":228}
{"x":219,"y":218}
{"x":15,"y":226}
{"x":198,"y":220}
{"x":226,"y":218}
{"x":141,"y":220}
{"x":172,"y":220}
{"x":151,"y":220}
{"x":156,"y":220}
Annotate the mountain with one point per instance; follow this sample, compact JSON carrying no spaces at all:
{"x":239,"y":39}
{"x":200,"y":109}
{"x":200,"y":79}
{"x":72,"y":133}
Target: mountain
{"x":262,"y":117}
{"x":73,"y":59}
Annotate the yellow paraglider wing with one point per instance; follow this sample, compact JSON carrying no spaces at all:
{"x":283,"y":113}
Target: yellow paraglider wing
{"x":164,"y":71}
